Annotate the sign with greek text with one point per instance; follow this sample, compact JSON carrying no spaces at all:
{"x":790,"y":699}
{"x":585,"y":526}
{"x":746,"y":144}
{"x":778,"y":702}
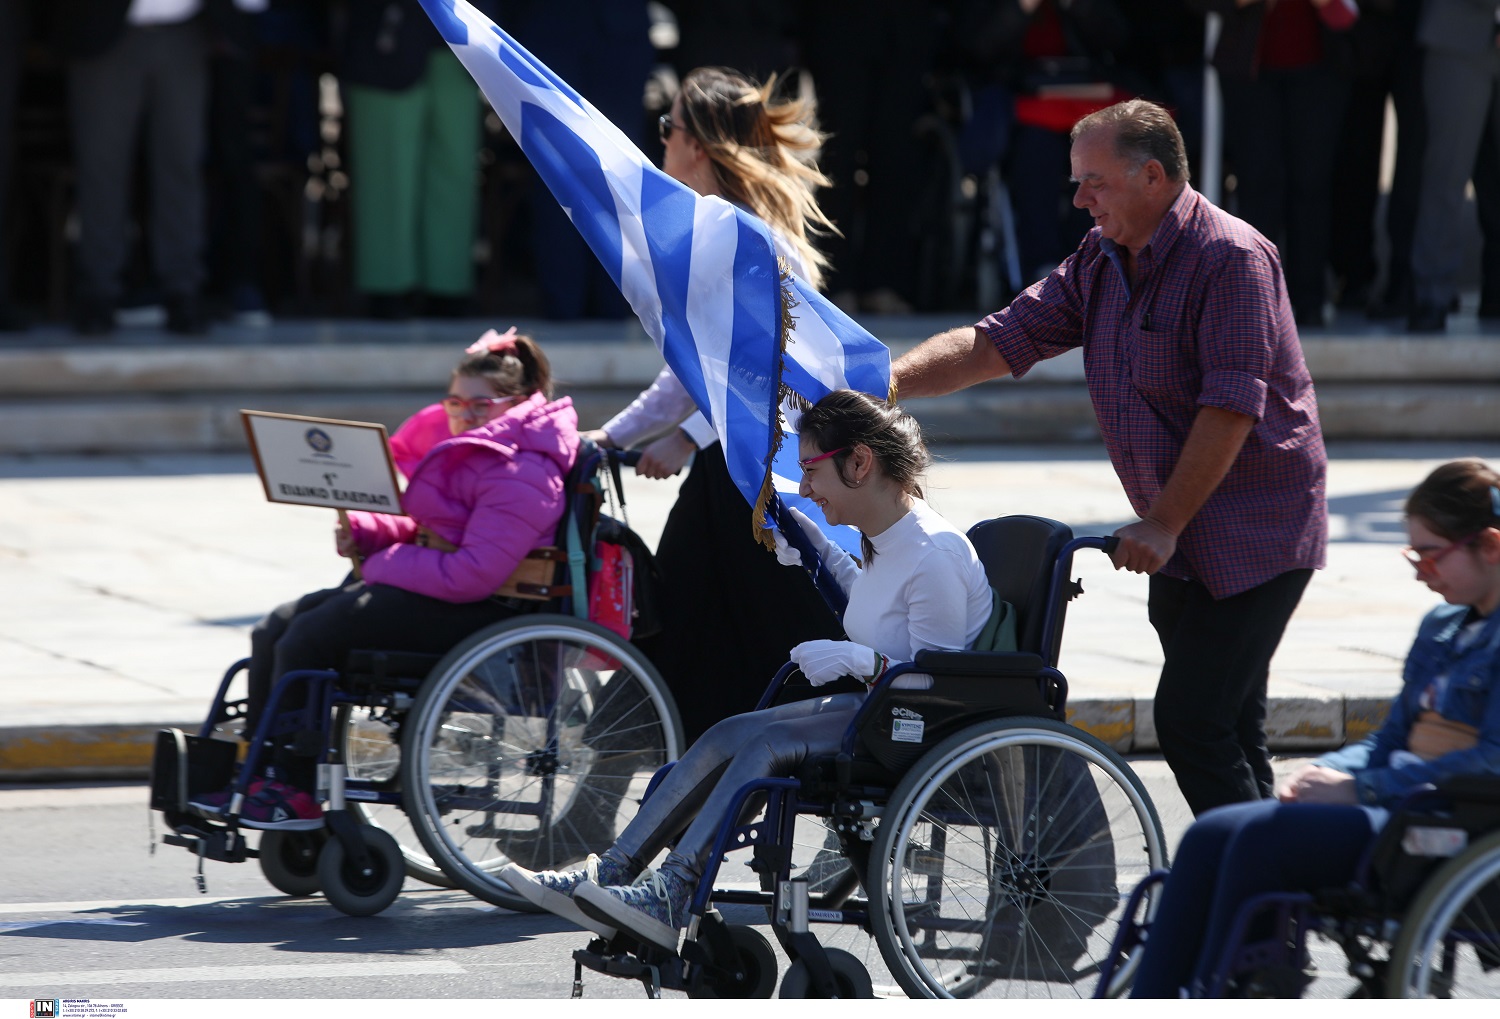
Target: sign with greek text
{"x":319,"y":462}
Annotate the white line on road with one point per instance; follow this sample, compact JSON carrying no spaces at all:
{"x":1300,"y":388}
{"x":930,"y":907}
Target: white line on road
{"x":226,"y":974}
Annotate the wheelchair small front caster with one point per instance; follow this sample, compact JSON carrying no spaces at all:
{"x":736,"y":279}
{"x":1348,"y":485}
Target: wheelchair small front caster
{"x":748,"y":972}
{"x":362,"y":891}
{"x":289,"y":860}
{"x":849,"y":974}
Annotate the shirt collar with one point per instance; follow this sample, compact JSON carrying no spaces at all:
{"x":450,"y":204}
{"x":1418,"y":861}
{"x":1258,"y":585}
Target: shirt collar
{"x":1167,"y":231}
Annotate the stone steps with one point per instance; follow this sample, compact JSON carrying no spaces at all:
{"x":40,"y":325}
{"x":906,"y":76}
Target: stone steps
{"x":148,"y":394}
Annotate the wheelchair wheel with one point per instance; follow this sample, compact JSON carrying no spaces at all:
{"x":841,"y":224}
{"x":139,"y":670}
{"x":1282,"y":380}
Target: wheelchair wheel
{"x":754,"y":967}
{"x":848,"y":974}
{"x":817,"y":857}
{"x":289,"y":860}
{"x":1003,"y":861}
{"x":532,"y":742}
{"x":372,"y":755}
{"x":362,"y":891}
{"x":1449,"y":945}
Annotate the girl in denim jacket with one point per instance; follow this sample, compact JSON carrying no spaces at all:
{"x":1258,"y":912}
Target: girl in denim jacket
{"x":1443,"y":723}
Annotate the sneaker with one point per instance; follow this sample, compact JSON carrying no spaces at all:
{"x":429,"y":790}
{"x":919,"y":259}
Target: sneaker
{"x":553,"y":890}
{"x":218,"y":802}
{"x":278,"y":807}
{"x":655,"y":911}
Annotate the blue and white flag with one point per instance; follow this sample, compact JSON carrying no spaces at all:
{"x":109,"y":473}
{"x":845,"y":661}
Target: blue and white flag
{"x":701,"y":275}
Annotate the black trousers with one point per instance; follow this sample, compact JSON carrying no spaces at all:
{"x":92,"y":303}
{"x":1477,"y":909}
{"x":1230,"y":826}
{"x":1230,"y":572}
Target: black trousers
{"x":1211,"y":699}
{"x":318,"y":630}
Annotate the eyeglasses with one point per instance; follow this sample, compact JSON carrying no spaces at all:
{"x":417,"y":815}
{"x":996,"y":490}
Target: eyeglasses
{"x":1420,"y":557}
{"x":804,"y":464}
{"x":480,"y":406}
{"x":665,"y":126}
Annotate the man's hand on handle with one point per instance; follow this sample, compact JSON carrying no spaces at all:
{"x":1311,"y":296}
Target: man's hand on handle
{"x":1145,"y":546}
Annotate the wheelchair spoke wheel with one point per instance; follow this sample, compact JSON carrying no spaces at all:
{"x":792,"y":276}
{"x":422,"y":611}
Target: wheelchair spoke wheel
{"x":1449,"y":945}
{"x":1003,"y":861}
{"x":532,"y":742}
{"x":372,"y":756}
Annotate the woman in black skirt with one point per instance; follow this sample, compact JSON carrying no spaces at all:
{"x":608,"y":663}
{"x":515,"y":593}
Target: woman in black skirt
{"x":729,"y":609}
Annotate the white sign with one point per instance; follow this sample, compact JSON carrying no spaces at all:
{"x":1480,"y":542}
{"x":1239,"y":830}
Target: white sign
{"x":318,"y":462}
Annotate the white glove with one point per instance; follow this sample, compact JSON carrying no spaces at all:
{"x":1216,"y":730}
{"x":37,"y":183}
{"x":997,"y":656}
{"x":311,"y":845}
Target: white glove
{"x":785,"y":554}
{"x":823,"y":661}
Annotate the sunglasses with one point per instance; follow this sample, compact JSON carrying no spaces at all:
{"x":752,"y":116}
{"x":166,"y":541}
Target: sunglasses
{"x":480,"y":406}
{"x":1420,"y":558}
{"x":665,"y":125}
{"x":804,"y":464}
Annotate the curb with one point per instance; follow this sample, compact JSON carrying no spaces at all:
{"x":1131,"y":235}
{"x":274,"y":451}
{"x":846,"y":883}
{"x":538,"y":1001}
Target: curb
{"x":72,"y":753}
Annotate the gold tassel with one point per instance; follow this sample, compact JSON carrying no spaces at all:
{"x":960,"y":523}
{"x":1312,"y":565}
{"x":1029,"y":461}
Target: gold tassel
{"x":762,"y":533}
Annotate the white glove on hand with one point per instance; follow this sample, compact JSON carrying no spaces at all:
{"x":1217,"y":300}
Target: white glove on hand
{"x":823,"y":661}
{"x":785,"y":554}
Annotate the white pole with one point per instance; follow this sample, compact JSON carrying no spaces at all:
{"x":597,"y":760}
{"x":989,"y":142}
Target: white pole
{"x":1211,"y":174}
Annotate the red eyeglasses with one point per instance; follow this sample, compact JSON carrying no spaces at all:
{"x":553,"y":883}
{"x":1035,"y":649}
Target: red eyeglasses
{"x":1420,"y":558}
{"x":821,"y":456}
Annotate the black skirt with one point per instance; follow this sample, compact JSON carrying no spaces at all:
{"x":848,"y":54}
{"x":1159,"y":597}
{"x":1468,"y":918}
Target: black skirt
{"x":731,"y":613}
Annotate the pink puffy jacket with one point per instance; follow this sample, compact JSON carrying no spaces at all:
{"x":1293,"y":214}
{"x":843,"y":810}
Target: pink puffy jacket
{"x":495,"y":492}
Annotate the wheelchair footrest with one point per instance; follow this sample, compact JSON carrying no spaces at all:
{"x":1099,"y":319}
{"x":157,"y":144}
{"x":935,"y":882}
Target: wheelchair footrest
{"x":653,"y":968}
{"x":222,"y":846}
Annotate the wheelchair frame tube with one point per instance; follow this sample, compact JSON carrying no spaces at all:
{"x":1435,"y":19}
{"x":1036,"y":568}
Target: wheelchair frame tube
{"x":778,"y":788}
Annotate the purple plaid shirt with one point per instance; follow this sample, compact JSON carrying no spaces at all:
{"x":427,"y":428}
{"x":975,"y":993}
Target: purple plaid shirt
{"x":1207,"y":325}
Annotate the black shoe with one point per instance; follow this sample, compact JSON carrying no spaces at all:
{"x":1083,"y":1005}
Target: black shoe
{"x":94,"y":316}
{"x":1427,"y":318}
{"x":185,"y":315}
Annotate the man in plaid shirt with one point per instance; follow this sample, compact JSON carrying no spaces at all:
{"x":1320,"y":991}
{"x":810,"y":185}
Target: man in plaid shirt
{"x":1207,"y":410}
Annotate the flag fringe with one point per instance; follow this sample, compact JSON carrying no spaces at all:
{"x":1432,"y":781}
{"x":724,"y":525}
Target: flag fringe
{"x":758,"y":523}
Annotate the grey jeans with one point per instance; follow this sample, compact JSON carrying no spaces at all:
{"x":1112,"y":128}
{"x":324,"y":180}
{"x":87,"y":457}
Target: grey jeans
{"x":699,"y":788}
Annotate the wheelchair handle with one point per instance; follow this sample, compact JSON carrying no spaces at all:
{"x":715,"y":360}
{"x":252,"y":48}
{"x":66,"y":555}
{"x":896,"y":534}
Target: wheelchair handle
{"x":1104,"y":543}
{"x":624,"y":457}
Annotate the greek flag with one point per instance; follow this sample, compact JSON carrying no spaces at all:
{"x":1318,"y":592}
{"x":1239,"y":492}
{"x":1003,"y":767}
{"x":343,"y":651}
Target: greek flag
{"x":701,"y":274}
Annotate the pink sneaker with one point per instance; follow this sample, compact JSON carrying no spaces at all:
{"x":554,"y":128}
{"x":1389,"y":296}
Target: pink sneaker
{"x":218,"y":802}
{"x":279,"y":807}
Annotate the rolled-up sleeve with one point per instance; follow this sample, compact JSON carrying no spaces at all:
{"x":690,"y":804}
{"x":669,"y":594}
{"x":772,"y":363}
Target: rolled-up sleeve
{"x":1239,"y":332}
{"x":1043,"y":321}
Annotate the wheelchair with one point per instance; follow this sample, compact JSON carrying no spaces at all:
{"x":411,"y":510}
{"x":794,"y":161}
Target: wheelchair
{"x":525,"y":742}
{"x":983,"y":847}
{"x":1421,"y":919}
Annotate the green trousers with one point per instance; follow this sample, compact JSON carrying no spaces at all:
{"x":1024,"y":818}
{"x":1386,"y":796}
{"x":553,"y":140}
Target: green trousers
{"x":414,"y":157}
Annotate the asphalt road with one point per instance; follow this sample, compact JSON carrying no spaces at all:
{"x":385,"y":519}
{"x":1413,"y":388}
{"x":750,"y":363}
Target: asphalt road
{"x":87,"y":910}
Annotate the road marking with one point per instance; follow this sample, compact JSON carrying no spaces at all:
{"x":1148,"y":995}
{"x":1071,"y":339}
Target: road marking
{"x":137,"y":904}
{"x":224,"y":974}
{"x":21,"y":925}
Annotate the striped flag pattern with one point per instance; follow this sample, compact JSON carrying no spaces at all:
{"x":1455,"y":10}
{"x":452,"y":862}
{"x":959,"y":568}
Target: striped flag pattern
{"x":701,"y":274}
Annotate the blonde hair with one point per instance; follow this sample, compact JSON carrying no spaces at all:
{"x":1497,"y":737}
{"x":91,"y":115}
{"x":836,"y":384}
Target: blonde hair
{"x":763,"y":152}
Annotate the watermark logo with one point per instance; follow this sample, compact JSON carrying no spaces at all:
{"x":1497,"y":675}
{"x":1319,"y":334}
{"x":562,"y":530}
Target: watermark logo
{"x":44,"y":1008}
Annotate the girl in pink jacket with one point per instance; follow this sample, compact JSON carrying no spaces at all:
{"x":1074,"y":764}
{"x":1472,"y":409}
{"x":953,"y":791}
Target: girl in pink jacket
{"x":481,"y":493}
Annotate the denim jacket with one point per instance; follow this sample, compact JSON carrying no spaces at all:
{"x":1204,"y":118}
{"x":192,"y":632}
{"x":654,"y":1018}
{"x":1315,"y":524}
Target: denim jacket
{"x":1473,"y":674}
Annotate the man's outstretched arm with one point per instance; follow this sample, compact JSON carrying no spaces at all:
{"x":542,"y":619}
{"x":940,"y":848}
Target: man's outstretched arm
{"x":947,"y":362}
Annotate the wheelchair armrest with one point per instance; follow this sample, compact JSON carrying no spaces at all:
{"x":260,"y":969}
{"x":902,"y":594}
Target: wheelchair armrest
{"x":979,"y":663}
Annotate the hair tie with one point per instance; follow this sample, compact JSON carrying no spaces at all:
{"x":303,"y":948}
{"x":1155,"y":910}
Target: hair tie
{"x":1494,"y":501}
{"x":494,"y":343}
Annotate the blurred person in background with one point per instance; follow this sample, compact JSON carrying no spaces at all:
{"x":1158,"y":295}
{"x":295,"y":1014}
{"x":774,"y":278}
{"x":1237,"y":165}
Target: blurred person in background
{"x":137,"y":66}
{"x":413,"y":119}
{"x":1283,"y":68}
{"x":1460,"y":40}
{"x":602,"y":48}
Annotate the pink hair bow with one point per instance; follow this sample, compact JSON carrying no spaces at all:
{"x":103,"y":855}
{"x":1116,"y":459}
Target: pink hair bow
{"x":494,"y":343}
